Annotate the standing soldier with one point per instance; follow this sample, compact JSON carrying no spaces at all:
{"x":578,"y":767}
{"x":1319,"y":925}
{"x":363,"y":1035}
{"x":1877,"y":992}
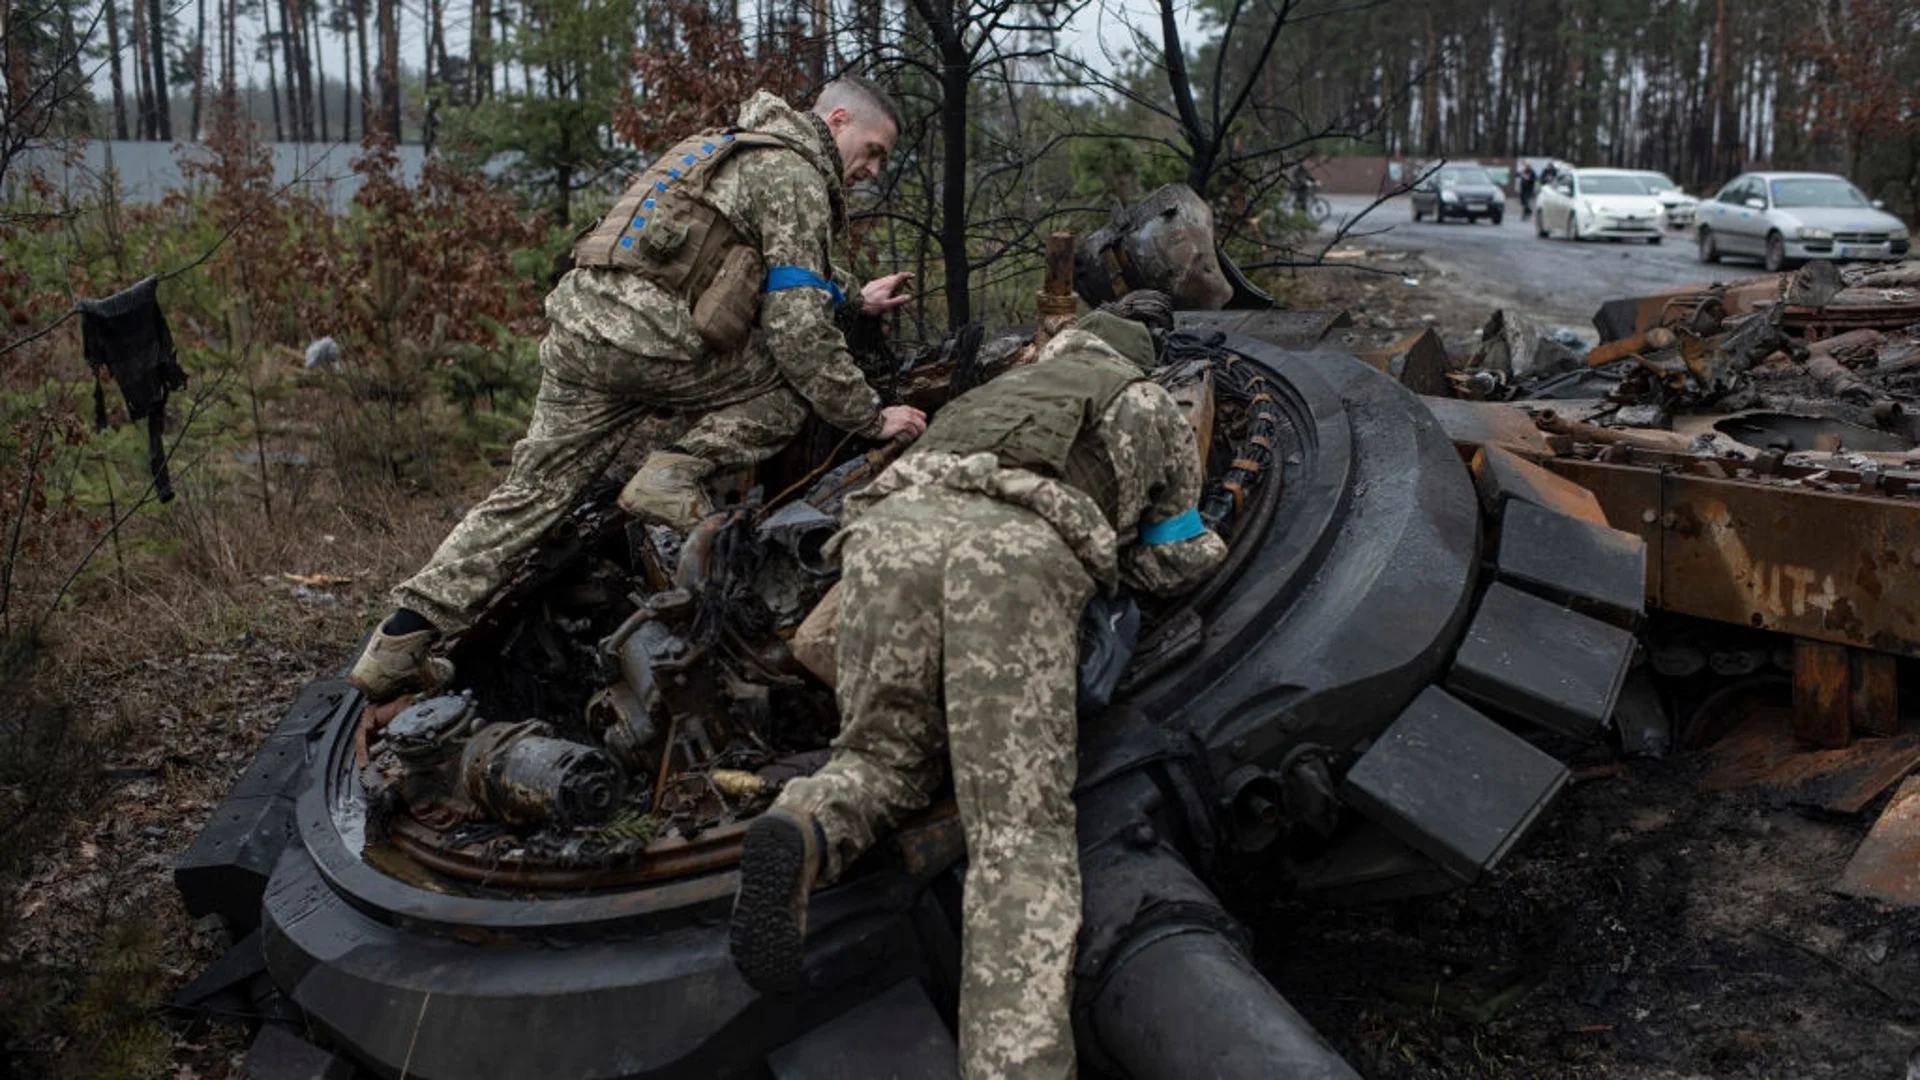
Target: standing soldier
{"x":966,"y":567}
{"x":704,"y":298}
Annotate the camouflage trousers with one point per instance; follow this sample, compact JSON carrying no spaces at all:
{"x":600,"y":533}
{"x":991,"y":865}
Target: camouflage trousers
{"x":577,"y":432}
{"x":955,"y":596}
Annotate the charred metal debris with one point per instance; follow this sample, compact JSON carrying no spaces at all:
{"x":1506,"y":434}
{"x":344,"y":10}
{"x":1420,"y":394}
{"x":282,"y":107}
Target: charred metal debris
{"x":1762,"y":438}
{"x":670,"y":705}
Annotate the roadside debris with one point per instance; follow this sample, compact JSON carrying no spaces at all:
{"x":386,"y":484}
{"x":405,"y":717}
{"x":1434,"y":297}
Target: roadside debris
{"x":1887,"y":865}
{"x":1763,"y":752}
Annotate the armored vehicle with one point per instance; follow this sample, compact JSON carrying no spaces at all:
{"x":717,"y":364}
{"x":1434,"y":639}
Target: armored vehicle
{"x":530,"y":876}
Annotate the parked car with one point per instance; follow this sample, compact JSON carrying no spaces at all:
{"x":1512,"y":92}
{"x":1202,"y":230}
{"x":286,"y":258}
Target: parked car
{"x":1679,"y":205}
{"x":1787,"y":218}
{"x":1610,"y":204}
{"x":1459,"y":191}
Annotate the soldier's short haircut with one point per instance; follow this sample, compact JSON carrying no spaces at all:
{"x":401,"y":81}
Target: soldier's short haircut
{"x":858,"y":95}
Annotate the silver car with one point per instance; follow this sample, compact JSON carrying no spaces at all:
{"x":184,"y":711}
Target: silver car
{"x":1788,"y":218}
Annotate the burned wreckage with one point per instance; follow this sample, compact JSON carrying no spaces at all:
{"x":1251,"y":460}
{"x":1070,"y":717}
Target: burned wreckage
{"x":530,"y":876}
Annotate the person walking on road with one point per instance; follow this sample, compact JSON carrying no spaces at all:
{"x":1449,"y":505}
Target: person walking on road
{"x":966,"y":566}
{"x":1529,"y":185}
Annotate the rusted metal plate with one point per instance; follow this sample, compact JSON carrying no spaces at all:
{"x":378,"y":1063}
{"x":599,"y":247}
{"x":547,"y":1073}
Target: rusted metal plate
{"x":1875,"y":693}
{"x":1886,"y":866}
{"x":1822,"y":709}
{"x":1619,"y":318}
{"x":1418,"y":360}
{"x":663,"y":860}
{"x":1478,"y":423}
{"x":1832,"y":567}
{"x":1499,"y":476}
{"x":1815,"y":324}
{"x":1762,"y":752}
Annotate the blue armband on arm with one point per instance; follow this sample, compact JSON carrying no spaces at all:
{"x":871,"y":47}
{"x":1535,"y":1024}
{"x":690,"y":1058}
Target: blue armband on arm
{"x":782,"y":278}
{"x":1173,"y":530}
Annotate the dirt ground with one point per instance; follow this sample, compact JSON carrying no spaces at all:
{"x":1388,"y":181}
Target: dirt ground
{"x":1391,"y":289}
{"x":1647,"y":931}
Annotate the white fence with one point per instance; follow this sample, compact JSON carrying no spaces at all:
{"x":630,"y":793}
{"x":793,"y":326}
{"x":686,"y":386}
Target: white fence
{"x":148,"y":170}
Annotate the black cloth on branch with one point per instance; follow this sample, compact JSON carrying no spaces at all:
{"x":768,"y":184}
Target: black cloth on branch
{"x":126,"y":337}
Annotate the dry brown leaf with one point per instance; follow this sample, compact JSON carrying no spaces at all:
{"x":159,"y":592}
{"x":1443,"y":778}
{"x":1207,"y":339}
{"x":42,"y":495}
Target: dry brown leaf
{"x":313,"y":580}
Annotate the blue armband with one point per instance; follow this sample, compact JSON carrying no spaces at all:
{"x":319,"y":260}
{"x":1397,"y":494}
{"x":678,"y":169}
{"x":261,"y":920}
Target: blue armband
{"x":782,"y":278}
{"x":1173,"y":530}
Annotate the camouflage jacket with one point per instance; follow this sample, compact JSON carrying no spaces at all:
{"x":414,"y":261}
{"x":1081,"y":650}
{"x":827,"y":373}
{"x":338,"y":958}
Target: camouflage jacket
{"x":790,"y":204}
{"x":1157,"y":463}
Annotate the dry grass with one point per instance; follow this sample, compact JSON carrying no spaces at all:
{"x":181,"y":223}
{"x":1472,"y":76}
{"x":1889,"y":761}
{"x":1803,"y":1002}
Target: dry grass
{"x":163,"y":667}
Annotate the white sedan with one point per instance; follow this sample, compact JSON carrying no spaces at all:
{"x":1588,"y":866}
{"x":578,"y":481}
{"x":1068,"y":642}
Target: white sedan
{"x":1600,"y":203}
{"x":1679,"y":205}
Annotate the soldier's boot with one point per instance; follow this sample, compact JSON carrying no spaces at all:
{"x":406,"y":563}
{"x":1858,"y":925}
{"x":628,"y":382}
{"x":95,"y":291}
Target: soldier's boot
{"x":668,"y":490}
{"x":779,"y":860}
{"x":395,"y":664}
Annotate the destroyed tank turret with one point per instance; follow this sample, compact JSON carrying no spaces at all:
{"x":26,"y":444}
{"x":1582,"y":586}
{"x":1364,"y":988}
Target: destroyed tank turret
{"x":532,"y":878}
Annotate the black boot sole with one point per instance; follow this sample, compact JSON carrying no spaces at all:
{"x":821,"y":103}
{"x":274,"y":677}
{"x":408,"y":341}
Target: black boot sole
{"x":769,"y":946}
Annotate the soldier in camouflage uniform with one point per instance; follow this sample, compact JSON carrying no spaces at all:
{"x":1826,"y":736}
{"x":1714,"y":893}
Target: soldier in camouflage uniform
{"x":966,"y":567}
{"x":698,"y":322}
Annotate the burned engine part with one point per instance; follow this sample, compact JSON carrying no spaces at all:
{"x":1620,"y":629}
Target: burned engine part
{"x":626,"y":726}
{"x":520,"y":774}
{"x":1164,"y":242}
{"x":432,"y":731}
{"x":428,"y":738}
{"x":801,"y":531}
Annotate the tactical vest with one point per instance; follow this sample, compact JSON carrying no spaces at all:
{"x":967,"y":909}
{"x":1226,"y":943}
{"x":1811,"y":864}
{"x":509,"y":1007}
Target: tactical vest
{"x":664,"y":228}
{"x":1042,"y":418}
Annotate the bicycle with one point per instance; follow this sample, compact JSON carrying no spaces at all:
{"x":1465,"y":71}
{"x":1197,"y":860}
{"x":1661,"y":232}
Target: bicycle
{"x":1313,"y":205}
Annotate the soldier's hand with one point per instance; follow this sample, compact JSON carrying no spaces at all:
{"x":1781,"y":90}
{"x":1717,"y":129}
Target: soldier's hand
{"x":877,"y":297}
{"x":902,"y":421}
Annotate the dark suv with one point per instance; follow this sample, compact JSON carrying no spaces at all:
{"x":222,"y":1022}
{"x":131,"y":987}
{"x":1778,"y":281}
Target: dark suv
{"x":1458,"y":191}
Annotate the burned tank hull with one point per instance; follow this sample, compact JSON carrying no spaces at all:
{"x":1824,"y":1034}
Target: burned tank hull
{"x":1263,"y":728}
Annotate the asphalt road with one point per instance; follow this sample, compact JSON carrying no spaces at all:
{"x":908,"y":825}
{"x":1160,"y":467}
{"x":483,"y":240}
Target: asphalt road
{"x":1507,"y":265}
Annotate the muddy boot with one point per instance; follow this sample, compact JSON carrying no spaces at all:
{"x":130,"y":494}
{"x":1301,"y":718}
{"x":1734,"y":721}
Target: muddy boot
{"x":667,"y":490}
{"x":395,"y":664}
{"x":779,"y":859}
